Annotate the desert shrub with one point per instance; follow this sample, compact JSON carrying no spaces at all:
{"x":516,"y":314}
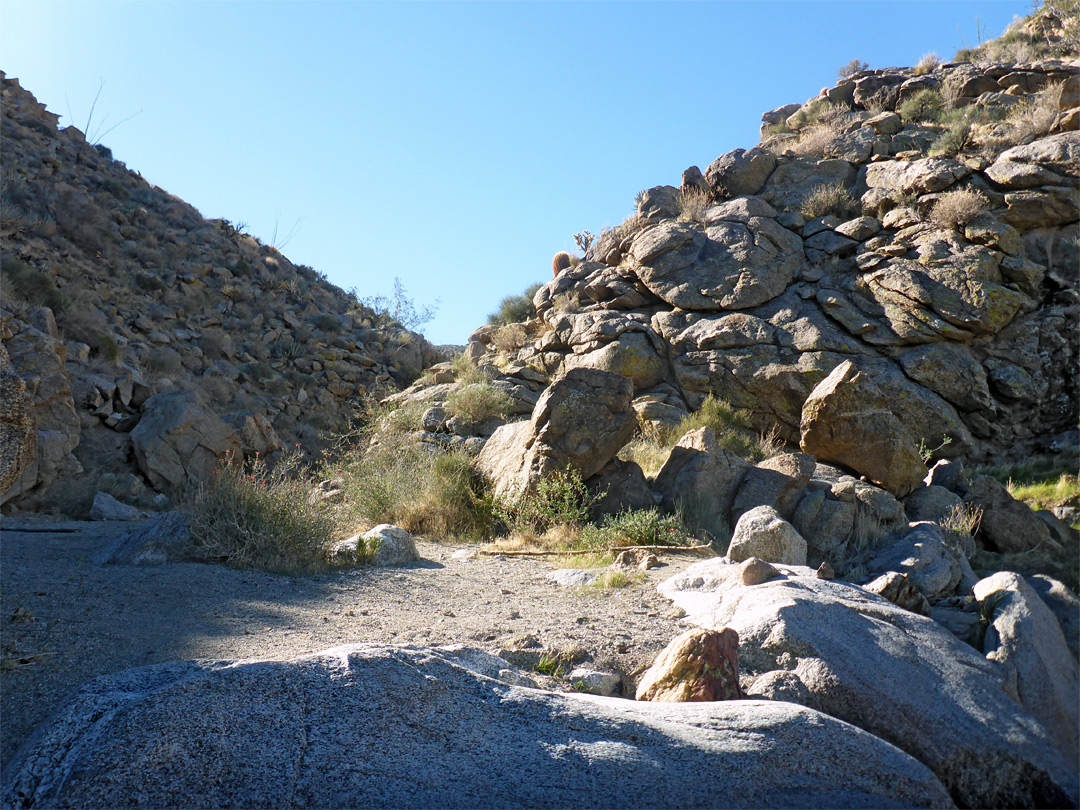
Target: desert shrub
{"x":287,"y":348}
{"x":103,"y":345}
{"x":215,"y":343}
{"x":955,"y":209}
{"x":478,"y":401}
{"x":956,"y":138}
{"x":399,"y":308}
{"x":116,"y":189}
{"x":397,"y":481}
{"x":35,"y":286}
{"x":635,"y":527}
{"x":149,"y":282}
{"x":584,"y":240}
{"x":560,"y":498}
{"x":731,"y":428}
{"x":828,"y":199}
{"x":164,"y":361}
{"x":818,"y":111}
{"x":927,"y":64}
{"x":704,"y":521}
{"x":256,"y":371}
{"x":1034,"y":118}
{"x":693,"y":203}
{"x":926,"y":105}
{"x":813,"y":141}
{"x":328,"y":323}
{"x":515,"y":308}
{"x":851,"y":68}
{"x":509,"y":338}
{"x":254,"y":516}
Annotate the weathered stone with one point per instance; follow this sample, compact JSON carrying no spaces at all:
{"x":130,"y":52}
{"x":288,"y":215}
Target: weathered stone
{"x":740,"y":172}
{"x":377,"y":726}
{"x":106,"y":507}
{"x":791,"y":183}
{"x":1065,"y":606}
{"x":847,"y":420}
{"x":923,"y":556}
{"x":659,"y":203}
{"x":166,"y":538}
{"x":392,"y":545}
{"x":582,"y":420}
{"x":916,"y":176}
{"x":950,"y":371}
{"x":728,"y":265}
{"x":1008,"y":525}
{"x":762,"y":533}
{"x":180,"y":439}
{"x":700,"y":472}
{"x":699,"y":665}
{"x":932,"y":503}
{"x":889,"y":671}
{"x":899,"y":589}
{"x":620,"y":486}
{"x":755,"y":571}
{"x":1025,"y":637}
{"x":1041,"y":208}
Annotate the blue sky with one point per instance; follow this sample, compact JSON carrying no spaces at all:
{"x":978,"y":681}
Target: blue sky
{"x":456,"y":146}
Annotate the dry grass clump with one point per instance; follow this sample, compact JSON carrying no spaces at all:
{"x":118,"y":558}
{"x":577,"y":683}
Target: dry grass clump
{"x":927,"y":64}
{"x":693,"y":203}
{"x":478,"y":401}
{"x":955,"y":209}
{"x":257,"y":516}
{"x":509,"y":338}
{"x":826,"y":199}
{"x":813,"y":141}
{"x":421,"y":489}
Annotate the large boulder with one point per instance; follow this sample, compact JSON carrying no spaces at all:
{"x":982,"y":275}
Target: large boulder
{"x":699,"y":473}
{"x":727,"y":264}
{"x":740,"y":172}
{"x":1007,"y":525}
{"x":581,"y":421}
{"x":900,"y":676}
{"x":1026,"y":638}
{"x":377,"y":726}
{"x":848,"y":420}
{"x":762,"y":533}
{"x":180,"y":439}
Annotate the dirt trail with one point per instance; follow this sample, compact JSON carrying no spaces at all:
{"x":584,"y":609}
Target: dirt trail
{"x":64,"y":620}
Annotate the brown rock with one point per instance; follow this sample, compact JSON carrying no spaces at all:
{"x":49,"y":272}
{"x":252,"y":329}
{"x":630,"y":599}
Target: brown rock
{"x":699,"y":665}
{"x":846,"y":419}
{"x":755,"y":571}
{"x":899,"y":590}
{"x":825,"y":571}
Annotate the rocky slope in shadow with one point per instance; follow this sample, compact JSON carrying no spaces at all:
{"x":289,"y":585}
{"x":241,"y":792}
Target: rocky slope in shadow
{"x":143,"y":341}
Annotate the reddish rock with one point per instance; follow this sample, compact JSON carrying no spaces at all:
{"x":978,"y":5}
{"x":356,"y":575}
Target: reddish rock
{"x":699,"y":665}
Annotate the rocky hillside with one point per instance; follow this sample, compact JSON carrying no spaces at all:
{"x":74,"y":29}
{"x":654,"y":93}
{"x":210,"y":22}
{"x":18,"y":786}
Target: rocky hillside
{"x":149,"y":340}
{"x":919,"y":223}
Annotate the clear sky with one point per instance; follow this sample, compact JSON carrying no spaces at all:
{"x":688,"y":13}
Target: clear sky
{"x":457,"y":146}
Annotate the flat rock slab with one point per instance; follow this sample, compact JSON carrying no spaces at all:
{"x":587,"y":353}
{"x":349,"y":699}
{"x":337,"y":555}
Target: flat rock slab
{"x":380,"y":726}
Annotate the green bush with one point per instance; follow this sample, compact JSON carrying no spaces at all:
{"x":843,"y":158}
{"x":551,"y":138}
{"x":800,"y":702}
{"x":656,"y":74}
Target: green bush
{"x":328,"y":323}
{"x":851,"y":68}
{"x":255,"y":516}
{"x":37,"y":287}
{"x":559,"y":499}
{"x":642,"y":527}
{"x":515,"y":308}
{"x":104,"y":345}
{"x":731,"y":428}
{"x":957,"y":137}
{"x":478,"y":401}
{"x":829,"y":199}
{"x":149,"y":282}
{"x":926,"y":105}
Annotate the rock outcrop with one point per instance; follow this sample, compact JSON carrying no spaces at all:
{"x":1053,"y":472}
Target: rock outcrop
{"x":843,"y":238}
{"x":375,"y":726}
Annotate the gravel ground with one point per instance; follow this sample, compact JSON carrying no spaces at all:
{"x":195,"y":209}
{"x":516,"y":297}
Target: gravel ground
{"x":64,"y":620}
